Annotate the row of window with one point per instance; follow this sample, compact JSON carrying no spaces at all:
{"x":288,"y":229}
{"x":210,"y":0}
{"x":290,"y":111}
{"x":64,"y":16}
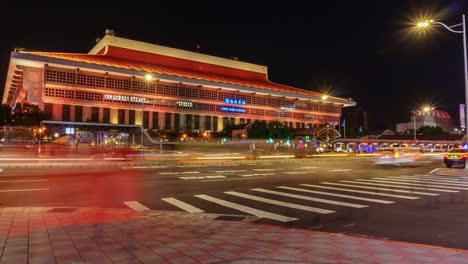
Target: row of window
{"x":132,"y":84}
{"x":180,"y":105}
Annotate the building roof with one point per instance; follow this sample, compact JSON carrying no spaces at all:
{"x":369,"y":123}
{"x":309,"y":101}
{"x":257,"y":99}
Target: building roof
{"x":144,"y":57}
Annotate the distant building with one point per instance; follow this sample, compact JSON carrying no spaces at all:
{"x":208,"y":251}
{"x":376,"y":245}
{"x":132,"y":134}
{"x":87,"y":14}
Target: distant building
{"x":434,"y":118}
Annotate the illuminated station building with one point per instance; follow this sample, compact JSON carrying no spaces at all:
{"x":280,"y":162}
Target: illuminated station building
{"x":127,"y":82}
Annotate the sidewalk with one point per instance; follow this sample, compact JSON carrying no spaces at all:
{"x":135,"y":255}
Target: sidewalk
{"x":87,"y":235}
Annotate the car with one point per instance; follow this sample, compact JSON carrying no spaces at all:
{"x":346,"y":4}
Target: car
{"x":456,"y":156}
{"x":400,"y":157}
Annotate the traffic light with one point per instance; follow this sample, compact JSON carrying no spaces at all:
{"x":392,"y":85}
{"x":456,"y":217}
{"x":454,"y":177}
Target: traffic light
{"x":307,"y":138}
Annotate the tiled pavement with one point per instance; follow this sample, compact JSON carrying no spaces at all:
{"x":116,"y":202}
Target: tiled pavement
{"x":88,"y":235}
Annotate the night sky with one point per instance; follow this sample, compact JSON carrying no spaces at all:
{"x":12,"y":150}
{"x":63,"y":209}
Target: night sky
{"x":362,"y":50}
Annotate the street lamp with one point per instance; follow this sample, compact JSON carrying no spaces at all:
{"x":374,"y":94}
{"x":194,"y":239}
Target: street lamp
{"x":40,"y":131}
{"x":425,"y":24}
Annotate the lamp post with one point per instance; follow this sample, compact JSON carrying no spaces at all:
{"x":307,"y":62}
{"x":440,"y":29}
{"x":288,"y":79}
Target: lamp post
{"x":465,"y":63}
{"x":414,"y":126}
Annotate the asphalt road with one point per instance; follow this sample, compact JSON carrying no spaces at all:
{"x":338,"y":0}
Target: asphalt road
{"x":343,"y":196}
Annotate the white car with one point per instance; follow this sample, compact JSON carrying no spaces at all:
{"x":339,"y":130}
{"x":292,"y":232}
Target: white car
{"x":400,"y":159}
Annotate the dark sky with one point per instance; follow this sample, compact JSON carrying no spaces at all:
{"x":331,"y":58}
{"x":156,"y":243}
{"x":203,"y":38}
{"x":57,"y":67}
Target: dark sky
{"x":358,"y":49}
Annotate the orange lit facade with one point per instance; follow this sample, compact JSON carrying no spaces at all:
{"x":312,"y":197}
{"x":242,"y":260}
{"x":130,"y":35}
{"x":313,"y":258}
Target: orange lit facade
{"x":186,"y":91}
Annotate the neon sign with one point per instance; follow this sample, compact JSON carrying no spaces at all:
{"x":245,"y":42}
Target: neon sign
{"x":234,"y":101}
{"x":233,"y":109}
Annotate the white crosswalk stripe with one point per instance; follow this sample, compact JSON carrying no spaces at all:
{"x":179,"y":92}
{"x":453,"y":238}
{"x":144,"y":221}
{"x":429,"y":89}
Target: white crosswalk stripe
{"x":380,"y":189}
{"x":311,"y":198}
{"x":337,"y":195}
{"x":257,"y":174}
{"x":403,"y":185}
{"x":265,"y":169}
{"x":246,"y":209}
{"x":289,"y":205}
{"x":423,"y":181}
{"x":180,"y":172}
{"x":201,"y":177}
{"x":414,"y":183}
{"x":182,"y":205}
{"x":361,"y":191}
{"x":298,"y":172}
{"x":439,"y":180}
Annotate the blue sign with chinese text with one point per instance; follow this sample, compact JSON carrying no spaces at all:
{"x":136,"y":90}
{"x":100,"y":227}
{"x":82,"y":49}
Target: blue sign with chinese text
{"x":234,"y":101}
{"x":232,"y":109}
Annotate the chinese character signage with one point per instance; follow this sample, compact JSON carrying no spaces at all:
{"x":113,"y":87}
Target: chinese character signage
{"x":234,"y":101}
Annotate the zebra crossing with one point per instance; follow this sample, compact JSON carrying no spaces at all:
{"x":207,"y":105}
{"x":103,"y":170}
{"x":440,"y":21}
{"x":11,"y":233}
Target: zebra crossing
{"x":322,"y":198}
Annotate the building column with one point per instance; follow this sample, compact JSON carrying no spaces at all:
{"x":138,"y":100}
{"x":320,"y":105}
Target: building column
{"x":101,"y":115}
{"x":150,"y":119}
{"x":114,"y":115}
{"x":87,"y":110}
{"x":139,"y":117}
{"x":161,"y":119}
{"x":202,"y":122}
{"x":172,"y":121}
{"x":72,"y":113}
{"x":182,"y":118}
{"x":220,"y":123}
{"x":57,"y":112}
{"x":211,"y":123}
{"x":127,"y":116}
{"x":236,"y":120}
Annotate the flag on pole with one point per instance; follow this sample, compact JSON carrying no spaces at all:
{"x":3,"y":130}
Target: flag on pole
{"x":343,"y":124}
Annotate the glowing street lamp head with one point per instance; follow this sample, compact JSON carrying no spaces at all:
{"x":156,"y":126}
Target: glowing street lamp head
{"x":148,"y":76}
{"x":324,"y":97}
{"x":423,"y":24}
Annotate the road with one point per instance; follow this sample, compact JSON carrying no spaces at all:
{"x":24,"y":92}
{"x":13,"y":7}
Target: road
{"x":343,"y":196}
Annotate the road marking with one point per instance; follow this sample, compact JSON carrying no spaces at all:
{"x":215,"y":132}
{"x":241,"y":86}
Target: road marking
{"x":24,"y":181}
{"x":25,"y":190}
{"x":1,"y":169}
{"x":302,"y":168}
{"x":359,"y":191}
{"x":143,"y":167}
{"x":201,"y":177}
{"x":380,"y":189}
{"x":289,"y":205}
{"x":338,"y":195}
{"x":246,"y":209}
{"x":234,"y":179}
{"x":136,"y":206}
{"x":298,"y":172}
{"x":425,"y":181}
{"x":311,"y":198}
{"x":341,"y":170}
{"x":459,"y":179}
{"x":181,"y":172}
{"x":229,"y":171}
{"x":265,"y":169}
{"x":257,"y":174}
{"x":434,"y":170}
{"x":410,"y":185}
{"x":184,"y":206}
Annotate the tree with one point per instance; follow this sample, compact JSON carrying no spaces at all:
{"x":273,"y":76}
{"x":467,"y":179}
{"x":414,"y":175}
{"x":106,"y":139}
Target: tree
{"x":432,"y":130}
{"x":27,"y":115}
{"x":6,"y":116}
{"x":258,"y":130}
{"x":278,"y":130}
